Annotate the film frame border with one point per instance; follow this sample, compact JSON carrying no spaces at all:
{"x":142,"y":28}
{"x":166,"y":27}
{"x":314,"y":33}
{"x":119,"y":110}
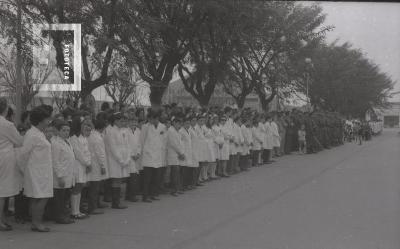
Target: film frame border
{"x":77,"y":62}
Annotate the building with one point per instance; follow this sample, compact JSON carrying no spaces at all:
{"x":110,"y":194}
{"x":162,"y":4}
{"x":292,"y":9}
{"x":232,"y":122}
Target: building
{"x":390,"y":115}
{"x":176,"y":93}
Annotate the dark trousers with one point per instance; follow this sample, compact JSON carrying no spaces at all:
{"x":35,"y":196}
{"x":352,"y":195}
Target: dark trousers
{"x":93,"y":195}
{"x":149,"y":182}
{"x":107,"y":190}
{"x":188,"y":176}
{"x":132,"y":186}
{"x":160,"y":172}
{"x":59,"y":201}
{"x":21,"y":206}
{"x":255,"y":155}
{"x":266,"y":155}
{"x":244,"y":162}
{"x":176,"y":182}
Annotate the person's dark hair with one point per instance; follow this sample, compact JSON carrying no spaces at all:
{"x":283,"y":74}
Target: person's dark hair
{"x":58,"y":124}
{"x":151,"y":113}
{"x":10,"y":113}
{"x":76,"y":126}
{"x":99,"y":124}
{"x":48,"y":108}
{"x":115,"y":116}
{"x":38,"y":114}
{"x":104,"y":106}
{"x":3,"y":104}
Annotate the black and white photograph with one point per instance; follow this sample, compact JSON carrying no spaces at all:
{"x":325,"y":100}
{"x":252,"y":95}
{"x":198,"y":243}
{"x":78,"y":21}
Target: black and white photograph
{"x":199,"y":124}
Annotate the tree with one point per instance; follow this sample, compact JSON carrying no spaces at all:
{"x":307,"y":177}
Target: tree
{"x":275,"y":33}
{"x":30,"y":77}
{"x":154,"y":36}
{"x":210,"y":50}
{"x":99,"y":23}
{"x":343,"y":80}
{"x":122,"y":87}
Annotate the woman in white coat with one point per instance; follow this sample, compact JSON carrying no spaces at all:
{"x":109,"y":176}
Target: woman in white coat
{"x":239,"y":141}
{"x":248,"y":142}
{"x":38,"y":170}
{"x":99,"y":170}
{"x":224,"y":150}
{"x":204,"y":153}
{"x":187,"y":165}
{"x":211,"y":150}
{"x":257,"y":142}
{"x":118,"y":158}
{"x":9,"y":175}
{"x":196,"y":150}
{"x":135,"y":153}
{"x":276,"y":139}
{"x":63,"y":169}
{"x":175,"y":154}
{"x":80,"y":131}
{"x":267,"y":143}
{"x":269,"y":140}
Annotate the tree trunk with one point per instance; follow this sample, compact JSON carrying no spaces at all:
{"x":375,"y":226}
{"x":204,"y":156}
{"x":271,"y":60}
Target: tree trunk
{"x":156,"y":94}
{"x":240,"y":101}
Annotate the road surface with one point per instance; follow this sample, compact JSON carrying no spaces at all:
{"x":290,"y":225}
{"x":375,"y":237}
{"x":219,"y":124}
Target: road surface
{"x":344,"y":198}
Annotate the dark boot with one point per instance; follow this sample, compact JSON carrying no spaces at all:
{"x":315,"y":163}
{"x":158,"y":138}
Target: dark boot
{"x":116,"y":199}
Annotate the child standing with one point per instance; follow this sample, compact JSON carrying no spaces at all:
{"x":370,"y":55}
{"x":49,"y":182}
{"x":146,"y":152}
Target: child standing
{"x":302,"y":139}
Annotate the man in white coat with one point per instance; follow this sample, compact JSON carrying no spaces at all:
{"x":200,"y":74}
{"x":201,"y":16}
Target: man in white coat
{"x":152,"y":154}
{"x":175,"y":154}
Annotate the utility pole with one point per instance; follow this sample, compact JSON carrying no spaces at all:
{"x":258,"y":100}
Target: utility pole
{"x":18,"y":83}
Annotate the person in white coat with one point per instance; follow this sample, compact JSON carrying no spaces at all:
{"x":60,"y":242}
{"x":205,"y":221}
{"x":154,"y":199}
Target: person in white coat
{"x":38,"y":168}
{"x":175,"y":154}
{"x":63,"y":170}
{"x":187,"y":165}
{"x":99,"y":170}
{"x":10,"y":184}
{"x":267,"y":144}
{"x":238,"y":141}
{"x":135,"y":153}
{"x":118,"y":158}
{"x":224,"y":151}
{"x":152,"y":138}
{"x":211,"y":167}
{"x":80,"y":131}
{"x":204,"y":153}
{"x":218,"y":144}
{"x":276,"y":139}
{"x":257,"y":142}
{"x":248,"y":143}
{"x":196,"y":149}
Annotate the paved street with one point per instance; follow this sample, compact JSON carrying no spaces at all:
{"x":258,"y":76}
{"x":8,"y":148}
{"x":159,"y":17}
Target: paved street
{"x":344,"y":198}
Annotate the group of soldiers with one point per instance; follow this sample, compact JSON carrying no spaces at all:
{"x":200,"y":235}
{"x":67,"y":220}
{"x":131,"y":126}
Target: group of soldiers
{"x":323,"y":130}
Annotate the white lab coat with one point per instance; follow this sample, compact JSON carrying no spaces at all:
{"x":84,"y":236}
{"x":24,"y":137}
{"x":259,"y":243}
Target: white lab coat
{"x":153,"y":149}
{"x":238,"y":137}
{"x":82,"y":158}
{"x":267,"y":145}
{"x":195,"y":147}
{"x":210,"y":149}
{"x":116,"y":151}
{"x":135,"y":150}
{"x":63,"y":162}
{"x":257,"y":138}
{"x":203,"y":149}
{"x":276,"y":139}
{"x":174,"y":147}
{"x":224,"y":151}
{"x":38,"y":172}
{"x":10,"y":177}
{"x":98,"y":156}
{"x":218,"y":141}
{"x":232,"y":146}
{"x":248,"y":139}
{"x":187,"y":147}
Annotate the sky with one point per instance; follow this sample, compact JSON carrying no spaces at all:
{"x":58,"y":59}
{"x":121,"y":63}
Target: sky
{"x":372,"y":27}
